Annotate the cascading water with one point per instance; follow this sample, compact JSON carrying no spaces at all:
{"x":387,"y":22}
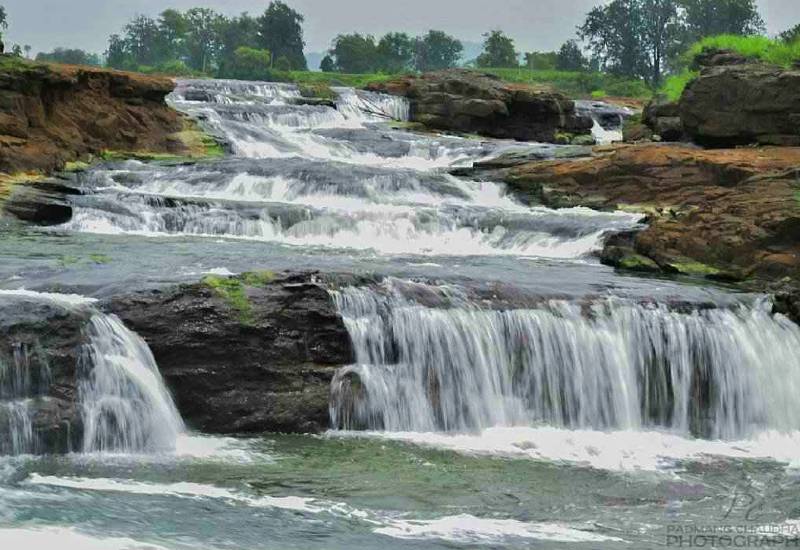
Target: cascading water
{"x":338,"y":178}
{"x":607,"y":364}
{"x":124,"y":405}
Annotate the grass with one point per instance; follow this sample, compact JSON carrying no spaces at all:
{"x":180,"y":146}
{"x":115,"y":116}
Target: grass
{"x":758,"y":48}
{"x":311,"y":78}
{"x":576,"y":83}
{"x":234,"y":291}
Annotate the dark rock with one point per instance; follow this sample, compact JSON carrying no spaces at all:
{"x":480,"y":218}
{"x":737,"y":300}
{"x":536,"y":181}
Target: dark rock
{"x":41,"y":203}
{"x":714,"y":57}
{"x":633,"y":132}
{"x":314,"y":102}
{"x":264,"y":365}
{"x":40,"y":347}
{"x":743,"y":104}
{"x":663,"y":118}
{"x":198,"y":95}
{"x":471,"y":102}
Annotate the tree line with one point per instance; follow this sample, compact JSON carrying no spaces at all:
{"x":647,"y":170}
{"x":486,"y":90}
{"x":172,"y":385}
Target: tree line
{"x":204,"y":41}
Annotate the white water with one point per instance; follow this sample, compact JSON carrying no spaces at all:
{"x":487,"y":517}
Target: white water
{"x":337,"y":179}
{"x":609,"y":364}
{"x":125,"y":404}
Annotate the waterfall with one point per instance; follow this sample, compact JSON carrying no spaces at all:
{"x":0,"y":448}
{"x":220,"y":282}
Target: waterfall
{"x":126,"y":406}
{"x":608,"y":364}
{"x":120,"y":398}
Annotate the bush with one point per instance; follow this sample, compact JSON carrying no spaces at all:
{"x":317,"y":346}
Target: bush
{"x":249,"y":64}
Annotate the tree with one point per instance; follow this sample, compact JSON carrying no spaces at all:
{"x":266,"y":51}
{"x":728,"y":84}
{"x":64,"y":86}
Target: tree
{"x":27,"y":49}
{"x":250,"y":64}
{"x":235,"y":33}
{"x":395,"y":52}
{"x":436,"y":50}
{"x":142,"y":40}
{"x":791,"y":35}
{"x":498,"y":51}
{"x":709,"y":17}
{"x":69,"y":57}
{"x":327,"y":64}
{"x":570,"y":57}
{"x":281,"y":32}
{"x":541,"y":61}
{"x":632,"y":37}
{"x":117,"y":56}
{"x":172,"y":26}
{"x":202,"y":37}
{"x":3,"y":20}
{"x":354,"y":53}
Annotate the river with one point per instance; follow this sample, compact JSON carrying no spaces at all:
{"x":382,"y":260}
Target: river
{"x":509,"y":391}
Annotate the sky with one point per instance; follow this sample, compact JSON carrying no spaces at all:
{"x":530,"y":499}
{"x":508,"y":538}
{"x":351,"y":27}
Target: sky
{"x":534,"y":24}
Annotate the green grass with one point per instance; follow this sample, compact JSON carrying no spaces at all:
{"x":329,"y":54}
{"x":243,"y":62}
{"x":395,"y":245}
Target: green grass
{"x":233,"y":291}
{"x":759,"y":48}
{"x":311,"y":78}
{"x":576,"y":83}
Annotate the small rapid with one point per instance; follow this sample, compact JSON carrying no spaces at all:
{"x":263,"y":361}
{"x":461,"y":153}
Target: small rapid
{"x":123,"y":404}
{"x":460,"y":365}
{"x":333,"y":176}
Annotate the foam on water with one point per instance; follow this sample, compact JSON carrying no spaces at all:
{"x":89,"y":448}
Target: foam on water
{"x":468,"y":529}
{"x":620,"y":451}
{"x":66,"y":538}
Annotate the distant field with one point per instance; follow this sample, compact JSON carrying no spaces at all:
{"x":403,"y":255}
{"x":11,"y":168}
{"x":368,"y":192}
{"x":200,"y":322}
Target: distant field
{"x":574,"y":83}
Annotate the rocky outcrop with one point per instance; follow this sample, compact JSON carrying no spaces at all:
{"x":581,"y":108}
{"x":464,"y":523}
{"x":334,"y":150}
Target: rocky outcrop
{"x":738,"y":104}
{"x":664,"y":119}
{"x":40,"y":349}
{"x":731,"y":214}
{"x":471,"y":102}
{"x":52,"y":114}
{"x":244,"y":355}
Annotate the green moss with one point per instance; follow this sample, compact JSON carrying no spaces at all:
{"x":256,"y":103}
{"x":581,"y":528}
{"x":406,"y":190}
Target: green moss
{"x":692,"y":267}
{"x":76,"y":166}
{"x":234,"y":290}
{"x":100,"y":258}
{"x":637,"y":262}
{"x":321,"y":90}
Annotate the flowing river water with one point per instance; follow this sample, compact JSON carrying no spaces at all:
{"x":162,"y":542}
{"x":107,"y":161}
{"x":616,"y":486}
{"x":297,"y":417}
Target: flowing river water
{"x":580,"y":409}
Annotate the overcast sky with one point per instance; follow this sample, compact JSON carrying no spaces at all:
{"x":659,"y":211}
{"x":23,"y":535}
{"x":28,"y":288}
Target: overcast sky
{"x":534,"y":24}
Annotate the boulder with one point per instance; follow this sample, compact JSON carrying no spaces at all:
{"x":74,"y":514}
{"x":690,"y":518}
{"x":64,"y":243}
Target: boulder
{"x":721,"y":214}
{"x":471,"y":102}
{"x":248,"y":354}
{"x":40,"y":350}
{"x":715,"y":57}
{"x":743,"y":104}
{"x":663,"y":118}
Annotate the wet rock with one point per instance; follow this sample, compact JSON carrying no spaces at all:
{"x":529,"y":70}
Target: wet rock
{"x":743,"y":104}
{"x":244,"y":355}
{"x":41,"y":203}
{"x":471,"y":102}
{"x":719,"y":214}
{"x":663,"y":118}
{"x":40,"y":349}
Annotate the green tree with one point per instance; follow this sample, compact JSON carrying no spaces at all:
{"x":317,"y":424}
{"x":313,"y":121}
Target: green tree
{"x":633,"y":37}
{"x":498,"y":51}
{"x":202,"y":37}
{"x":570,"y":57}
{"x":436,"y":50}
{"x":250,"y":64}
{"x":281,"y":32}
{"x":142,"y":41}
{"x":709,"y":17}
{"x":117,"y":56}
{"x":235,"y":33}
{"x":395,"y":52}
{"x":69,"y":56}
{"x":354,"y":53}
{"x":327,"y":65}
{"x":172,"y":26}
{"x":541,"y":61}
{"x":791,"y":35}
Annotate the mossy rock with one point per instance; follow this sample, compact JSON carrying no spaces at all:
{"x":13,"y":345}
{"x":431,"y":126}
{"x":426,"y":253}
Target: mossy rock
{"x":234,"y":291}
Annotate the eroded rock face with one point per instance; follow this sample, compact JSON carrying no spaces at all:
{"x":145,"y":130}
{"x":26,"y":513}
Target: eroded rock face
{"x":51,"y":114}
{"x":742,"y":104}
{"x":258,"y":360}
{"x":40,"y":348}
{"x":729,"y":214}
{"x":470,"y":102}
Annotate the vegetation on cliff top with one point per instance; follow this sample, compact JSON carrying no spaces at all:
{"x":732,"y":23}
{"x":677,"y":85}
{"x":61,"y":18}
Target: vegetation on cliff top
{"x":758,"y":48}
